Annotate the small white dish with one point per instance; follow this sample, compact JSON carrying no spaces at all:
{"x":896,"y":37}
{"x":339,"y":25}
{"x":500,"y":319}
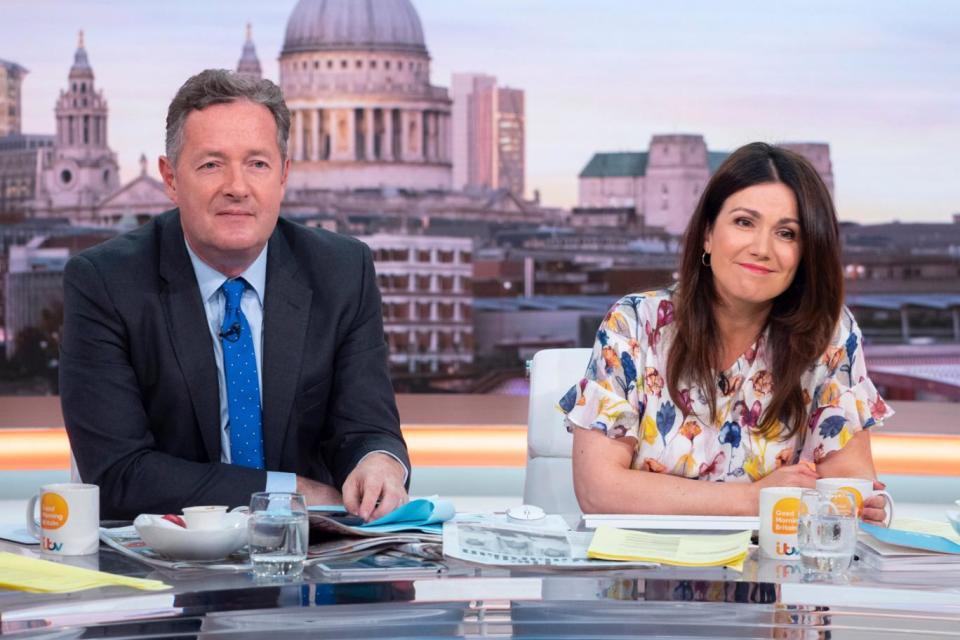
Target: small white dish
{"x":178,"y":543}
{"x":207,"y":517}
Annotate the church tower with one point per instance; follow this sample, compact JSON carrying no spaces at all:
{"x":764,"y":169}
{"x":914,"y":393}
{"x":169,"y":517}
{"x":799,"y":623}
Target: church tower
{"x":81,"y":169}
{"x":249,"y":64}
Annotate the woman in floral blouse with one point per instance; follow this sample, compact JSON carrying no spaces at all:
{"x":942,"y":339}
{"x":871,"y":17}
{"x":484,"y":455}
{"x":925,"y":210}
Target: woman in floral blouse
{"x":748,"y":373}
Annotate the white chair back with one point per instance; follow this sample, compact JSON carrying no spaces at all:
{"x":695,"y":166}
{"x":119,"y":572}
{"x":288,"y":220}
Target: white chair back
{"x":549,"y":478}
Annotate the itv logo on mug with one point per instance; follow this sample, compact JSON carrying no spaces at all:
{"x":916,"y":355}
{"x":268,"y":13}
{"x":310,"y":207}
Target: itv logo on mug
{"x":785,"y":549}
{"x":50,"y":545}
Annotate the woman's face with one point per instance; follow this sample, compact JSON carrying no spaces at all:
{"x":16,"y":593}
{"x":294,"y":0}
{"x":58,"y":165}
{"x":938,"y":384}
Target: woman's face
{"x":755,"y":244}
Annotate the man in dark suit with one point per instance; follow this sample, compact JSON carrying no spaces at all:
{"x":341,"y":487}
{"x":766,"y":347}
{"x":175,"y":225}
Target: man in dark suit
{"x":219,"y":350}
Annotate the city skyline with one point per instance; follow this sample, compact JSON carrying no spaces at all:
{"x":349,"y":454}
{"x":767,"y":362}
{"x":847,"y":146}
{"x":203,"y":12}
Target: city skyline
{"x":873,"y":80}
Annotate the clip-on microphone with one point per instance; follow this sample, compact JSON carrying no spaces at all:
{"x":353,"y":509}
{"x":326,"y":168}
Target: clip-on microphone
{"x":233,"y":333}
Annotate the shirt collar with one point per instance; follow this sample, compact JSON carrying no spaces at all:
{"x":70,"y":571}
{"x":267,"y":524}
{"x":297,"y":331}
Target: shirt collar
{"x":210,"y":280}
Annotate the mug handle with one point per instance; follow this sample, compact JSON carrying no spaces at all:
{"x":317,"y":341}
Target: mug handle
{"x":889,"y":500}
{"x":32,"y":525}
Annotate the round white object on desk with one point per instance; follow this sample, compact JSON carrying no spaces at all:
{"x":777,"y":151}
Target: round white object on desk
{"x":526,"y":513}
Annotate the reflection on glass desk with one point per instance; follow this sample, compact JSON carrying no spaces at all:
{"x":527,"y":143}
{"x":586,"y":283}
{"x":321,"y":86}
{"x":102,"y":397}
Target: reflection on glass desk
{"x":768,"y":600}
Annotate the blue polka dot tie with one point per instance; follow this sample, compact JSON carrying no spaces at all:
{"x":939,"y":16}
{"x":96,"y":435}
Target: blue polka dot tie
{"x":243,"y":387}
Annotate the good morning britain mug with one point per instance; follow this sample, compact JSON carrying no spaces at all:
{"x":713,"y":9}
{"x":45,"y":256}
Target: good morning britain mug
{"x":69,"y":518}
{"x":860,"y":489}
{"x":779,"y":515}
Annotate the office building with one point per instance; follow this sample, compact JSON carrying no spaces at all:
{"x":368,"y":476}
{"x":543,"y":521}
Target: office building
{"x":489,"y":134}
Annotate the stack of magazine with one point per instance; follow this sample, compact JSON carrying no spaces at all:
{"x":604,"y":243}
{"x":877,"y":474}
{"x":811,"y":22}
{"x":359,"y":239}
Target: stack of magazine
{"x":416,"y":528}
{"x":910,"y":545}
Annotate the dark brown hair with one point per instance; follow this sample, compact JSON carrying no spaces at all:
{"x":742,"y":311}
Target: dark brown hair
{"x":802,"y":319}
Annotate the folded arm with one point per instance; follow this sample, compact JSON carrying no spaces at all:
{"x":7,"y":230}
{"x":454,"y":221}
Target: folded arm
{"x":605,"y":483}
{"x":364,"y":447}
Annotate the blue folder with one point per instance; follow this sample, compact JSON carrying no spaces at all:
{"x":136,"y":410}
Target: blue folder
{"x":911,"y":539}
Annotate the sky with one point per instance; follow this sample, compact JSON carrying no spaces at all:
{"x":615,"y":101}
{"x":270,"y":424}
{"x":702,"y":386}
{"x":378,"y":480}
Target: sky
{"x":879,"y":80}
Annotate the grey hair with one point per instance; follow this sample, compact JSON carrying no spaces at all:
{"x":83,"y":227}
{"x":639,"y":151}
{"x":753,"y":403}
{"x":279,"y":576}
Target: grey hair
{"x":219,"y":86}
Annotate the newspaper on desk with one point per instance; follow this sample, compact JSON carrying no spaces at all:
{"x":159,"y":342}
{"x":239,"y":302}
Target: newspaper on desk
{"x":491,"y":539}
{"x":127,"y":541}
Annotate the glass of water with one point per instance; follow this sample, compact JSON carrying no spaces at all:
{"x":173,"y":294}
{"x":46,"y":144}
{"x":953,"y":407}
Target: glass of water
{"x":277,"y":530}
{"x":827,"y":532}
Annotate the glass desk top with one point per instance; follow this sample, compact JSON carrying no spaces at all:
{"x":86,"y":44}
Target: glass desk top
{"x":769,"y":599}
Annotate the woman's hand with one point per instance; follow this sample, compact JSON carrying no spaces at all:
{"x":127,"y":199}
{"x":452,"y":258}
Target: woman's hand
{"x":875,"y":507}
{"x":802,"y":475}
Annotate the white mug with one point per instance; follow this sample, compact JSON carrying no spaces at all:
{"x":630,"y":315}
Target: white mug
{"x":860,"y":489}
{"x":206,"y":517}
{"x":779,"y":514}
{"x":69,"y":518}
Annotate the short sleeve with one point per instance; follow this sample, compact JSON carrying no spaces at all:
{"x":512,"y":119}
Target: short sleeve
{"x":606,"y":398}
{"x":844,"y":399}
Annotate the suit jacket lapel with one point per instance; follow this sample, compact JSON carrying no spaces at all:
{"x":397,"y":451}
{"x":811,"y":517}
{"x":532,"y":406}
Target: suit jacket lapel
{"x":286,"y":314}
{"x":187,"y":322}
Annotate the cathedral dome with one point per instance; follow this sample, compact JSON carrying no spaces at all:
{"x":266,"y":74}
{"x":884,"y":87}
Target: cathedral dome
{"x":350,"y":25}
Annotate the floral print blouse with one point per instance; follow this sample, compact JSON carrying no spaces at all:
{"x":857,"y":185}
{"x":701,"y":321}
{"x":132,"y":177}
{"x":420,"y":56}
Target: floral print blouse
{"x":624,"y":394}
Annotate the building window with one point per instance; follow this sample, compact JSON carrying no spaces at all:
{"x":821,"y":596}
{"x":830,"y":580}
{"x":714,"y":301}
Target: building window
{"x":343,"y":64}
{"x":316,"y":64}
{"x":329,"y":64}
{"x":359,"y":64}
{"x":400,"y":65}
{"x":386,"y":65}
{"x":373,"y":64}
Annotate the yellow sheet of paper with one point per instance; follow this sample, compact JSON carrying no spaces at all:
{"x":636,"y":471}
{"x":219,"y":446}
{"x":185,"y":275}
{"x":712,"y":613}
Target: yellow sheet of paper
{"x":932,"y":527}
{"x":695,"y":550}
{"x":42,"y":576}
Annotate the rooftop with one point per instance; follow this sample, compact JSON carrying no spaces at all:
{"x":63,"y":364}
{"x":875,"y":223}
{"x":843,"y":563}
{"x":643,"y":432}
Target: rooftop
{"x":621,"y":164}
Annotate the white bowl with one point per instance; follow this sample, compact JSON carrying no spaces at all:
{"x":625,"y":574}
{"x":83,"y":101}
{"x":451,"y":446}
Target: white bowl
{"x":178,"y":543}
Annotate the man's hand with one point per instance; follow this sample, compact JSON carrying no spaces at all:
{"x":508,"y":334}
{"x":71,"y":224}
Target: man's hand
{"x":317,"y":493}
{"x":375,"y":487}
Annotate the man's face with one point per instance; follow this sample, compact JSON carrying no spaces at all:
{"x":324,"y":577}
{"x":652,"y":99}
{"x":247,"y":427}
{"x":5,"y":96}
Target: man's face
{"x":228,"y":182}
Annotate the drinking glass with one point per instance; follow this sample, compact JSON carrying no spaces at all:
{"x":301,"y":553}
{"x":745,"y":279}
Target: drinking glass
{"x":826,"y":531}
{"x":278,"y":530}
